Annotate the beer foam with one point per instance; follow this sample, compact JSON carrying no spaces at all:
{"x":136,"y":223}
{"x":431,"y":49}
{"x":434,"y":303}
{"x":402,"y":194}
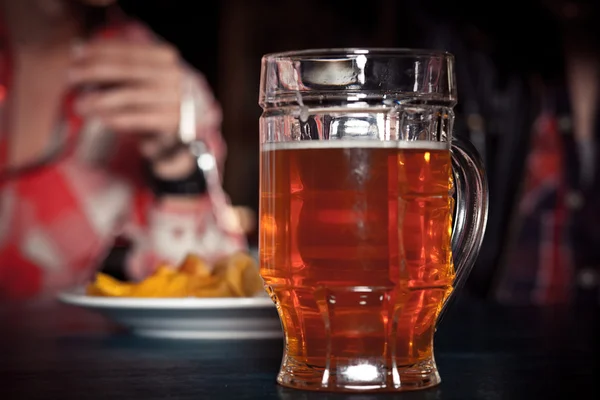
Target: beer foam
{"x":358,"y":144}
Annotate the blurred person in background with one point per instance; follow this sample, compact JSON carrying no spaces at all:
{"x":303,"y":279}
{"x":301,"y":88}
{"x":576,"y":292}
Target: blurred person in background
{"x":528,"y":80}
{"x":91,"y":148}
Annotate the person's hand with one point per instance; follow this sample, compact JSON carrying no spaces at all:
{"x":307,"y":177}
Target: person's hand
{"x":135,"y":88}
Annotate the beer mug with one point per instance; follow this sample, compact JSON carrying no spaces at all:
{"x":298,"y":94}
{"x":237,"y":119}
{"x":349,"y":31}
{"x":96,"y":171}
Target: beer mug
{"x":360,"y":243}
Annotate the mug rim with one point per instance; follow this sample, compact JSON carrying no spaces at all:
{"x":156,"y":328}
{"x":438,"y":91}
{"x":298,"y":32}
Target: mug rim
{"x":394,"y":52}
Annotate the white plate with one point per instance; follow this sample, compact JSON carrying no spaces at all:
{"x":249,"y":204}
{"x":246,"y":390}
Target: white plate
{"x":186,"y":318}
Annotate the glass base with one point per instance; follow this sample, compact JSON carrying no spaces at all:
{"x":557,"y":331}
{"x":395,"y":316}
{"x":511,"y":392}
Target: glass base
{"x":361,"y":376}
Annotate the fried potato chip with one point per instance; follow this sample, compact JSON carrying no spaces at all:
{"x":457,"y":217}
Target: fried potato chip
{"x":197,"y":283}
{"x":253,"y":282}
{"x":157,"y":284}
{"x":106,"y":285}
{"x":233,"y":276}
{"x":176,"y":285}
{"x":220,"y":289}
{"x":241,"y":273}
{"x":93,"y":290}
{"x":228,"y":270}
{"x":195,"y":266}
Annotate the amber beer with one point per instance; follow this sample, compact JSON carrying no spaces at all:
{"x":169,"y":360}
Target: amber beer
{"x":355,"y":251}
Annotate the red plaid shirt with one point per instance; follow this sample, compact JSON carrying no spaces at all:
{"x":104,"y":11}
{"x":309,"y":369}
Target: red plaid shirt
{"x":539,"y":262}
{"x":59,"y":219}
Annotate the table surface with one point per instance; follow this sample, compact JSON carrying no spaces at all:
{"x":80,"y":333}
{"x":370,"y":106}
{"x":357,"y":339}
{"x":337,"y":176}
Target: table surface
{"x":483,"y":351}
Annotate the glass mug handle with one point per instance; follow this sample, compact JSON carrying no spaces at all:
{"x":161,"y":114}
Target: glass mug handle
{"x":470,"y":218}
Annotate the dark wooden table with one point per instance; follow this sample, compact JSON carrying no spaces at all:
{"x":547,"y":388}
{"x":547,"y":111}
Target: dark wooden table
{"x":483,"y":352}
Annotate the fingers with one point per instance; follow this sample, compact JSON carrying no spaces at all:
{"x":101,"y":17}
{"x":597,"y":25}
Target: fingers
{"x":139,"y":85}
{"x":127,"y":53}
{"x":129,"y":98}
{"x":115,"y":72}
{"x":106,"y":62}
{"x":161,"y":120}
